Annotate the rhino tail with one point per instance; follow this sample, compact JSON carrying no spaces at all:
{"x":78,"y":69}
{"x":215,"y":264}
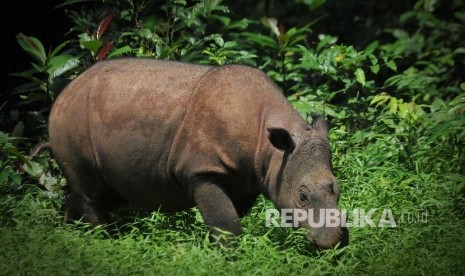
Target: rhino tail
{"x":39,"y":148}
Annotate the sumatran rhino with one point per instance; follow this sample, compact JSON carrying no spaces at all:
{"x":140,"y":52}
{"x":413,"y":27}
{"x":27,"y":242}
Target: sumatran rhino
{"x":169,"y":136}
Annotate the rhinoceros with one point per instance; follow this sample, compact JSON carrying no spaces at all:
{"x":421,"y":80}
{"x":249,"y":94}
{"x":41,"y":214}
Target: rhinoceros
{"x":169,"y":136}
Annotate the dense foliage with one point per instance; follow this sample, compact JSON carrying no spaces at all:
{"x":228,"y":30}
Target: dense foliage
{"x":389,"y":78}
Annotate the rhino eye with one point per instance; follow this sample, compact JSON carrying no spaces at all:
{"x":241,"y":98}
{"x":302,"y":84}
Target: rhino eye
{"x":303,"y":197}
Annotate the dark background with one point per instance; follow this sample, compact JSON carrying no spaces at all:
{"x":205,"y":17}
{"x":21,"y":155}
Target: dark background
{"x":355,"y":23}
{"x":33,"y":18}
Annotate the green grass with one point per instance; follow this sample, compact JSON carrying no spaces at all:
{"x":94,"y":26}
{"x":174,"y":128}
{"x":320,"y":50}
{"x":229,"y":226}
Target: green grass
{"x":34,"y":242}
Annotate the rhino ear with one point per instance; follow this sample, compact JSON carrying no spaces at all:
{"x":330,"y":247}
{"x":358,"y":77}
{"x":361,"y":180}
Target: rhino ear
{"x":281,"y":139}
{"x":320,"y":124}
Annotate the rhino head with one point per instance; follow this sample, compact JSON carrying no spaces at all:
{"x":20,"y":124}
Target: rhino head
{"x":305,"y":183}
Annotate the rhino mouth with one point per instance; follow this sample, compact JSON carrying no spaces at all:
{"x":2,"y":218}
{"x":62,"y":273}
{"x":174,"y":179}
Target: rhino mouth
{"x":325,"y":238}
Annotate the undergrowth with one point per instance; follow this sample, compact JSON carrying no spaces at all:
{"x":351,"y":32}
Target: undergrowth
{"x":428,"y":236}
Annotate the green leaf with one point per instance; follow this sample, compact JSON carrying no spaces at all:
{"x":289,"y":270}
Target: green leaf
{"x":226,"y":21}
{"x":50,"y":183}
{"x":462,"y":86}
{"x":230,"y":44}
{"x":39,"y":68}
{"x":371,"y":47}
{"x":218,"y":40}
{"x":16,"y":178}
{"x":310,"y":61}
{"x":92,"y":45}
{"x":460,"y":50}
{"x":13,"y":151}
{"x":373,"y":59}
{"x":180,"y":2}
{"x":404,"y":109}
{"x":120,"y":51}
{"x":399,"y":33}
{"x":34,"y":169}
{"x":262,"y":40}
{"x":457,"y":104}
{"x":325,"y":40}
{"x":375,"y":68}
{"x":4,"y":174}
{"x":380,"y":98}
{"x":360,"y":76}
{"x":57,"y":49}
{"x":32,"y":46}
{"x":240,"y":24}
{"x":393,"y":105}
{"x":62,"y":64}
{"x":392,"y":65}
{"x":147,"y":33}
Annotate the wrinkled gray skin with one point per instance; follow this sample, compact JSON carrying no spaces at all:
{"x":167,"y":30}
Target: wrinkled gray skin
{"x":170,"y":136}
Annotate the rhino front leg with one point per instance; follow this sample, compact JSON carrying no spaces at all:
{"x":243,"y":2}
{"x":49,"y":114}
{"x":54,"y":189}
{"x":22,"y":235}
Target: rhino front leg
{"x":217,"y":209}
{"x":244,"y":204}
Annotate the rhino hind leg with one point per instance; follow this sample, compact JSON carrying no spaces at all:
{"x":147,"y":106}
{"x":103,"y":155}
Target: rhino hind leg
{"x":94,"y":210}
{"x":77,"y":208}
{"x":91,"y":198}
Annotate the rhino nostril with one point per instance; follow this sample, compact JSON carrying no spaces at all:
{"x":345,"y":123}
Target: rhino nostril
{"x":328,"y":186}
